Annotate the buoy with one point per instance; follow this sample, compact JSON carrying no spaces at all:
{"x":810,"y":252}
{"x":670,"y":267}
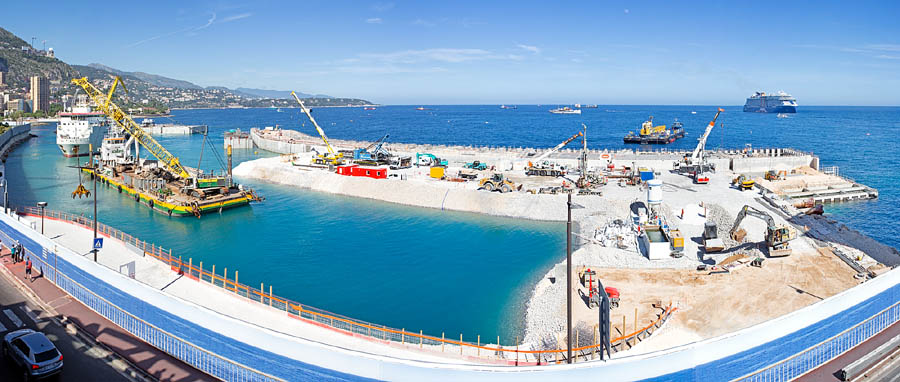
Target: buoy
{"x":605,"y":156}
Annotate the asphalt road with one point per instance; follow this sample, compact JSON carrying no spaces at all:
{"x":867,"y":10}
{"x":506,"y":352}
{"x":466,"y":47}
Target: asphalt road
{"x":81,"y":361}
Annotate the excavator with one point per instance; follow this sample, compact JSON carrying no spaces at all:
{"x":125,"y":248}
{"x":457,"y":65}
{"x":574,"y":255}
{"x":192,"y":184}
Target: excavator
{"x":743,"y":182}
{"x":331,"y":157}
{"x":374,"y":154}
{"x":537,"y":167}
{"x":695,"y":164}
{"x":777,"y":237}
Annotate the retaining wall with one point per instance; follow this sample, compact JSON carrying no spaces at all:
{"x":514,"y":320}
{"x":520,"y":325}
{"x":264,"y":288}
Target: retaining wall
{"x":722,"y":358}
{"x":10,"y":138}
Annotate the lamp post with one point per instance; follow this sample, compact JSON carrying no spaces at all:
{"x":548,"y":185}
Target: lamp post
{"x":42,"y":205}
{"x":5,"y":195}
{"x":569,"y":206}
{"x":94,"y":176}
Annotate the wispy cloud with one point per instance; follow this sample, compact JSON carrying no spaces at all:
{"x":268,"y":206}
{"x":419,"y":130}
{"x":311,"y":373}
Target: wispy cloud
{"x":209,"y":22}
{"x":236,"y":17}
{"x":382,"y":7}
{"x":374,"y":20}
{"x":438,"y":54}
{"x":530,"y":48}
{"x":879,"y":51}
{"x":424,"y":23}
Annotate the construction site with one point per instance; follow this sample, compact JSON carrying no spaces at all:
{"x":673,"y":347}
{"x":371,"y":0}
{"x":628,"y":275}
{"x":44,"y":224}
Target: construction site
{"x":729,"y":238}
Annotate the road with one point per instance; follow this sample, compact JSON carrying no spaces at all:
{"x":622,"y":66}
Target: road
{"x":82,"y":362}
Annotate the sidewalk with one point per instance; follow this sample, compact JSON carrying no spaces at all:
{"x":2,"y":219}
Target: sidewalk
{"x":150,"y":359}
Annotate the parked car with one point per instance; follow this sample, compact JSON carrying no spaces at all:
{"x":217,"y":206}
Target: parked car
{"x":33,"y":352}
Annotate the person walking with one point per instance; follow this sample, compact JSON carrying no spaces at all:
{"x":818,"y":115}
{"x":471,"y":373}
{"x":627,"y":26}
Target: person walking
{"x":12,"y":253}
{"x":28,"y":270}
{"x":21,"y":251}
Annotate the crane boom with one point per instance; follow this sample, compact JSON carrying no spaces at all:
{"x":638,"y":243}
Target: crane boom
{"x":113,"y":111}
{"x":559,"y":146}
{"x":313,"y":120}
{"x":698,"y":152}
{"x":377,"y":144}
{"x":748,"y":210}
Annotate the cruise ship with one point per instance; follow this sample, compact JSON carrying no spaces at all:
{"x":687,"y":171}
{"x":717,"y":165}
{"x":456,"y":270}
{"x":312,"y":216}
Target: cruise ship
{"x":78,"y":129}
{"x":771,"y":103}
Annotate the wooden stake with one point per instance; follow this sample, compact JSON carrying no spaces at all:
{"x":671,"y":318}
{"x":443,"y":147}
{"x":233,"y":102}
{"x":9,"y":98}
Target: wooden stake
{"x":460,"y":343}
{"x":478,"y":349}
{"x":420,"y":338}
{"x":635,"y":324}
{"x":442,"y":342}
{"x":623,"y":332}
{"x":270,"y":297}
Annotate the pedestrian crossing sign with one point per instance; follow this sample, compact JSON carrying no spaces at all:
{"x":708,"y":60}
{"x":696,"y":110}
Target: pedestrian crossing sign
{"x":98,"y":243}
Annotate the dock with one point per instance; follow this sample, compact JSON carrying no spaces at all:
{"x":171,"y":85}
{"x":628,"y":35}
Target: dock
{"x":238,"y":139}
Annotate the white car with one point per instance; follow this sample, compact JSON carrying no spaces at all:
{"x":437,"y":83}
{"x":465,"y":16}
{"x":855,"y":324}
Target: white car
{"x":33,"y":352}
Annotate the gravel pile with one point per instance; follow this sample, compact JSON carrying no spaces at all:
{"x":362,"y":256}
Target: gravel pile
{"x":724,"y":221}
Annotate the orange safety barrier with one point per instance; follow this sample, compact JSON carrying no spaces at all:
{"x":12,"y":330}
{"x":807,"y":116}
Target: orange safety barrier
{"x":189,"y":269}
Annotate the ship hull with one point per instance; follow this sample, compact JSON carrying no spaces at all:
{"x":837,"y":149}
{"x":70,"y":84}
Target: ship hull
{"x":770,"y":109}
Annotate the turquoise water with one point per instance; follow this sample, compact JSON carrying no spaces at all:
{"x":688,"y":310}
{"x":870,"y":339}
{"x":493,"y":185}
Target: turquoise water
{"x":399,"y":266}
{"x":424,"y":269}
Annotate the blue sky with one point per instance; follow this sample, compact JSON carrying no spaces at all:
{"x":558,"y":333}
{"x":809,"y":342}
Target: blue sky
{"x":468,"y":52}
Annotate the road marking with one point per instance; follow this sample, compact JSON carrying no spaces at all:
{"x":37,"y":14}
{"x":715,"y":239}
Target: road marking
{"x":31,"y":314}
{"x":2,"y":328}
{"x":12,"y":317}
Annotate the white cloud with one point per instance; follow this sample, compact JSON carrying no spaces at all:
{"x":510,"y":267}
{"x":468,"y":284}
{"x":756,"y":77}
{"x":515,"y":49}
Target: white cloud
{"x":627,"y":11}
{"x":189,"y":30}
{"x":423,"y":23}
{"x":884,"y":47}
{"x":374,"y":20}
{"x":437,"y":54}
{"x":236,"y":17}
{"x":381,"y":7}
{"x":530,"y":48}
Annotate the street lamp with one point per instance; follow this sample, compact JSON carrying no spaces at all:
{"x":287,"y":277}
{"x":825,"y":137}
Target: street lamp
{"x":570,"y":206}
{"x":42,"y":205}
{"x":4,"y":184}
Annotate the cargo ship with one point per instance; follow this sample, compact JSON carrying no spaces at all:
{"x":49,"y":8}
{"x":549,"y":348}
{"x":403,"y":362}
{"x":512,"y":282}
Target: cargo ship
{"x":760,"y":102}
{"x":80,"y":129}
{"x":660,"y":135}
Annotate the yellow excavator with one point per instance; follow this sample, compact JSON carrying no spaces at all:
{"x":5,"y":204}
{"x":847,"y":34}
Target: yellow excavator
{"x":777,"y":237}
{"x":331,"y":157}
{"x":743,"y":182}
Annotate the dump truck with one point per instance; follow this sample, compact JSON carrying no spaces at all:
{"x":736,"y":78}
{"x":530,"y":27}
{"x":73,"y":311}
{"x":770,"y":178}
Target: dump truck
{"x":711,"y":240}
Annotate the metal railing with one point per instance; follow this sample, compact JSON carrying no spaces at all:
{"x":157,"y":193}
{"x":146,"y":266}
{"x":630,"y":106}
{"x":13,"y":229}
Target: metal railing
{"x":495,"y":352}
{"x":825,"y":351}
{"x":201,"y":359}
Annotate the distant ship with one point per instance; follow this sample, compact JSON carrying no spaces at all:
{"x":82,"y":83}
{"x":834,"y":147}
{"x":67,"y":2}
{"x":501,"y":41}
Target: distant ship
{"x":369,"y":108}
{"x":768,"y":103}
{"x":565,"y":110}
{"x":78,"y":129}
{"x":650,"y":134}
{"x":509,"y":107}
{"x":421,"y":108}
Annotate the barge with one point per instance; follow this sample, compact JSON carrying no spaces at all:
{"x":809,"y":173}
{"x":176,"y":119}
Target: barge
{"x":660,"y":135}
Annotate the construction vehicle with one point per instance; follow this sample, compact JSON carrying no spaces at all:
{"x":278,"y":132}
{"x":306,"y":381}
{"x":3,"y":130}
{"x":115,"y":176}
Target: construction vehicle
{"x":373,"y":154}
{"x":743,"y":182}
{"x":711,"y":240}
{"x":777,"y":237}
{"x":497,"y":182}
{"x":476,"y":165}
{"x":695,"y":164}
{"x":331,"y":157}
{"x":776,"y":175}
{"x":539,"y":167}
{"x":429,"y":160}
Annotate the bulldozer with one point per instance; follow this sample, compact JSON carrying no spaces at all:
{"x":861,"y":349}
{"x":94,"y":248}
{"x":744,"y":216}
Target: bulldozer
{"x":777,"y":237}
{"x":497,"y":182}
{"x":743,"y":182}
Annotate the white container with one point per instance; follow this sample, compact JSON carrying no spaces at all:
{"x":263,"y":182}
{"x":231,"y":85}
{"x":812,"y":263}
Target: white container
{"x":654,"y":191}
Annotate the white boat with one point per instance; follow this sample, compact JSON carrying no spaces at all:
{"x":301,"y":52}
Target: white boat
{"x":78,"y":129}
{"x":565,"y":110}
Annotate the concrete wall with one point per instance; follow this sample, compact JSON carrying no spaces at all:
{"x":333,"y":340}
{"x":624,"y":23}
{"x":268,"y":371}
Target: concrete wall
{"x":721,"y":358}
{"x":12,"y":137}
{"x":777,"y":163}
{"x":278,"y":146}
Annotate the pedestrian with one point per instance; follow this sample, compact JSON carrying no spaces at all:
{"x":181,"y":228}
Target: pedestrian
{"x":12,"y":252}
{"x":20,"y":251}
{"x":28,"y":269}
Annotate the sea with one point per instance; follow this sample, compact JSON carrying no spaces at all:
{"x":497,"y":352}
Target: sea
{"x":423,"y":269}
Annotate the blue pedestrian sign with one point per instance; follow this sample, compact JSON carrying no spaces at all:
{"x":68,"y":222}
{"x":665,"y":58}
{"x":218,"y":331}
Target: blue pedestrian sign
{"x":98,"y":243}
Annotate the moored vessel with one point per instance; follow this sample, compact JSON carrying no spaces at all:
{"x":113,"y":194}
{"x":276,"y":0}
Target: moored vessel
{"x":79,"y":129}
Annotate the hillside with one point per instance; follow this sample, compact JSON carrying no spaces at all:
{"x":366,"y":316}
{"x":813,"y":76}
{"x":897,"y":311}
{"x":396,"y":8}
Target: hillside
{"x":152,"y":79}
{"x":22,"y":64}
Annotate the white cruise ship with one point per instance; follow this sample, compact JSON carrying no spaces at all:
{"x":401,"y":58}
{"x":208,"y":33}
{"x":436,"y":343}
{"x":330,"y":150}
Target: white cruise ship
{"x":79,"y":128}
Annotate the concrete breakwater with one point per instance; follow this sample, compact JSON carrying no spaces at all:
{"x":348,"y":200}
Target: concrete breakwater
{"x":413,"y":192}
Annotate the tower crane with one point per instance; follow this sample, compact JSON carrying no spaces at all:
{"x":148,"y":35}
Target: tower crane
{"x":535,"y":167}
{"x":331,"y":157}
{"x":695,"y":163}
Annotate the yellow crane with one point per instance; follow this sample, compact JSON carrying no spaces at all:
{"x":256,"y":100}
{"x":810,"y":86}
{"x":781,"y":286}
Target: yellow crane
{"x":332,"y":157}
{"x":114,"y":112}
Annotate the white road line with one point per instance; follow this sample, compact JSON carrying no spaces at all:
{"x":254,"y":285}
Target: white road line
{"x":12,"y":317}
{"x":30,"y":314}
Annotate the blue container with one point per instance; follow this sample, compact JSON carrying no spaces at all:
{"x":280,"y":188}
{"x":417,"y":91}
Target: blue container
{"x":645,"y":174}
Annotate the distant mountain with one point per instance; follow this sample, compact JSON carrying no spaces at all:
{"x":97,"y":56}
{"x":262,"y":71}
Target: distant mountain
{"x":153,"y":79}
{"x":21,"y":61}
{"x":276,"y":94}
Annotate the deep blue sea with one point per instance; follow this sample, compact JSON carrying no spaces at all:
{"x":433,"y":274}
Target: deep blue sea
{"x":425,"y":269}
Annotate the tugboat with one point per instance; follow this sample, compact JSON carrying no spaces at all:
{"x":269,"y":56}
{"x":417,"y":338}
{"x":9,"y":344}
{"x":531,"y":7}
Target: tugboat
{"x":659,"y":135}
